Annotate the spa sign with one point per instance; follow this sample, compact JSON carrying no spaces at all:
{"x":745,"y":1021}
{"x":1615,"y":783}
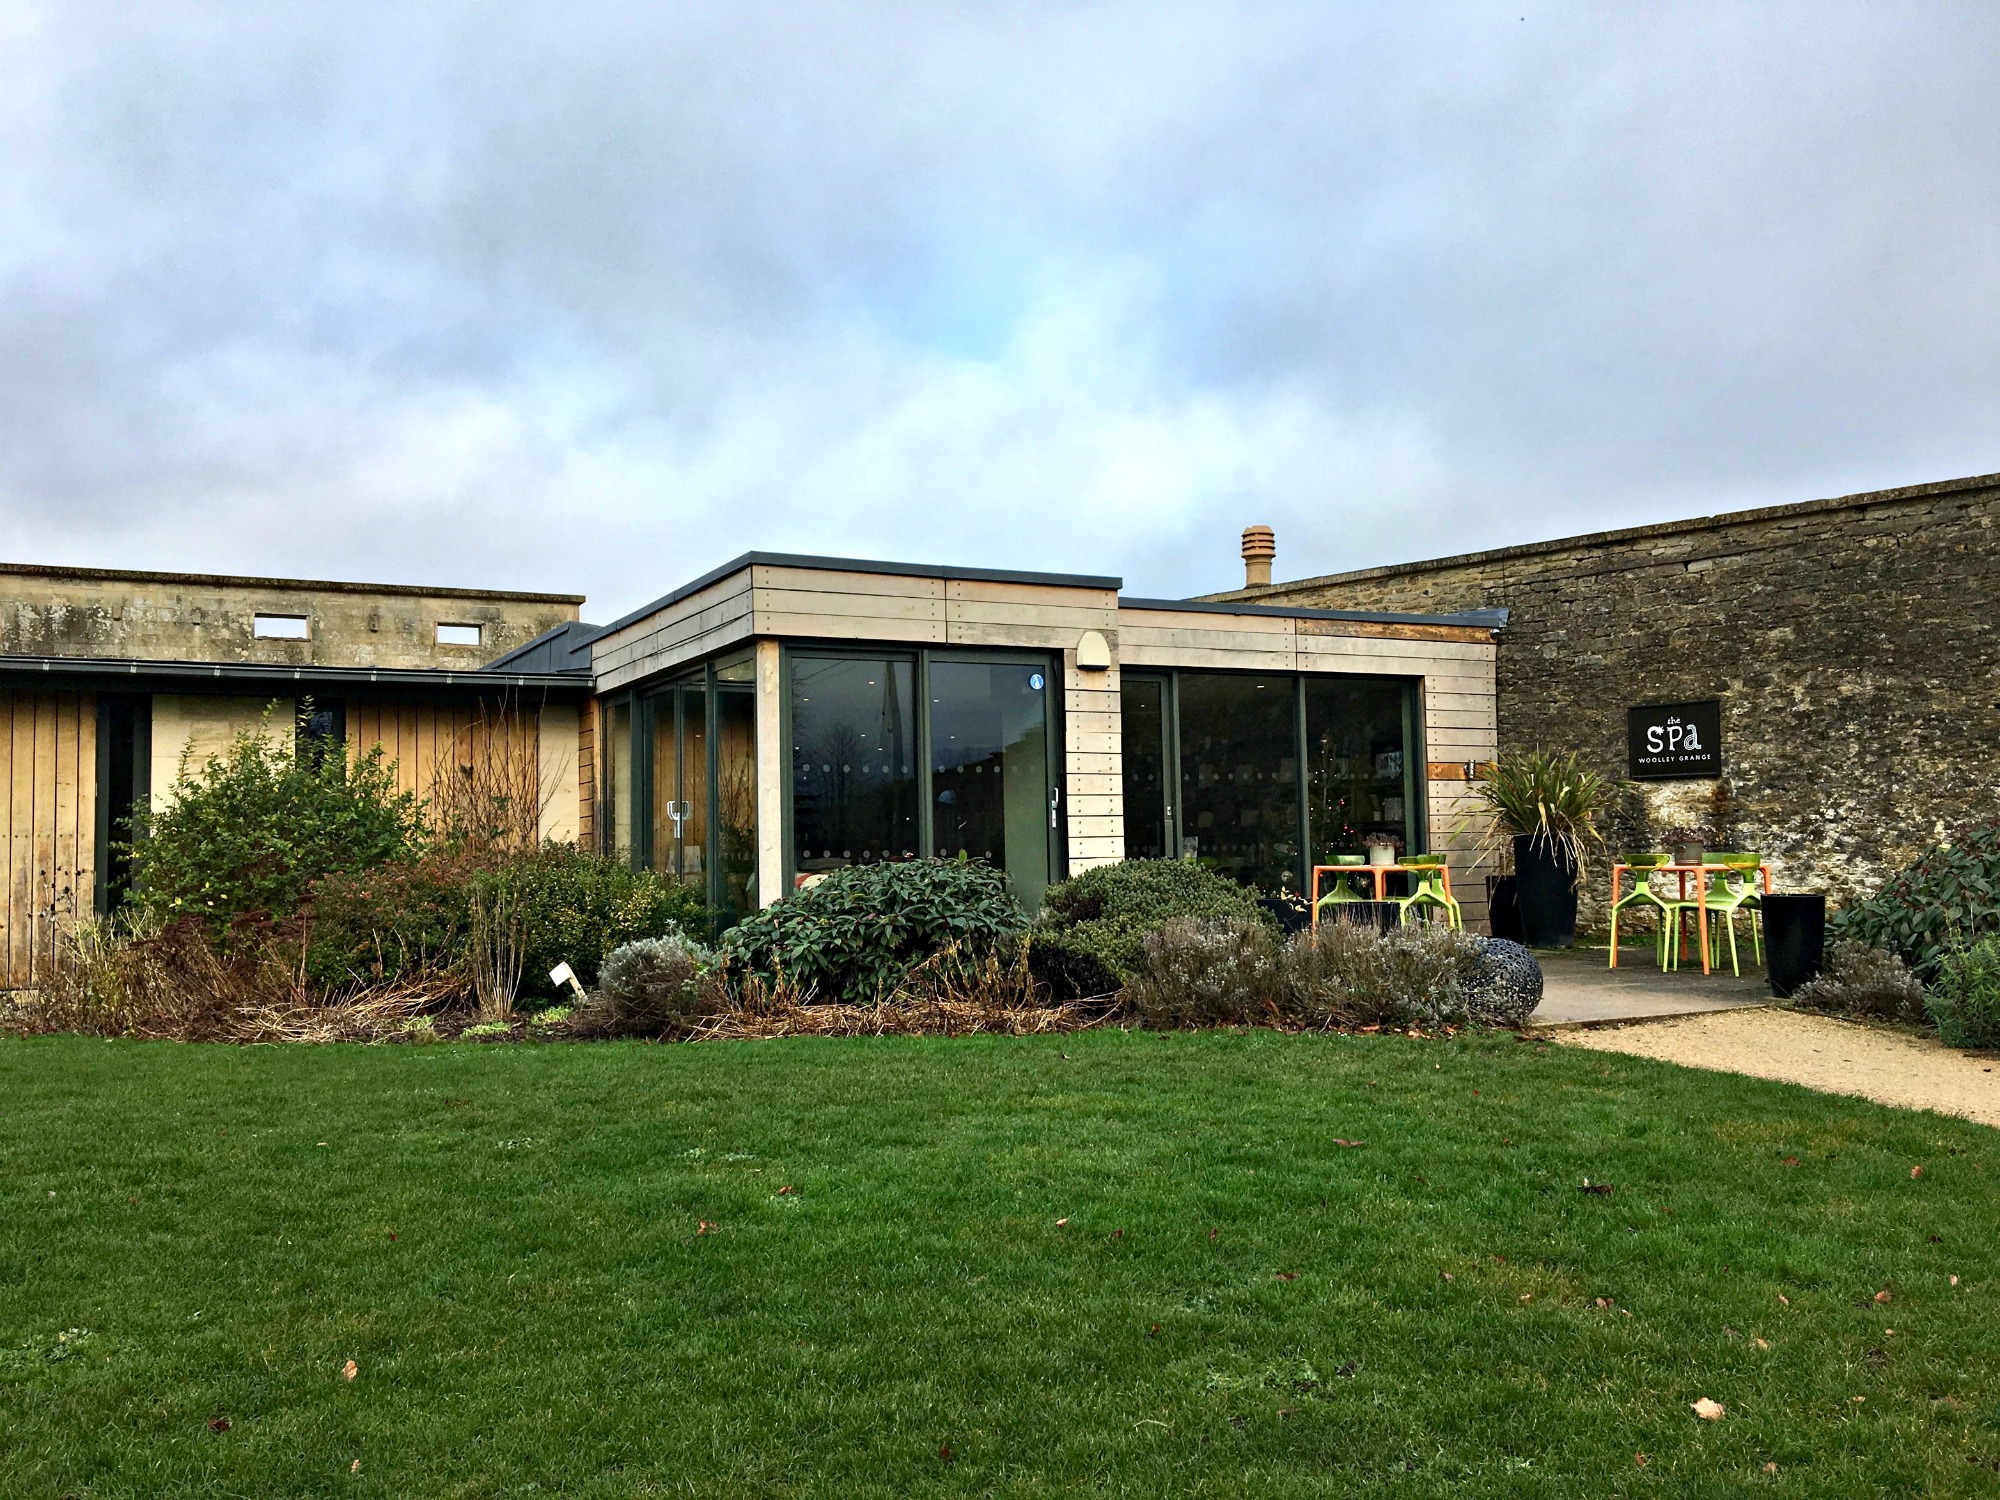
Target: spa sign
{"x":1675,"y":741}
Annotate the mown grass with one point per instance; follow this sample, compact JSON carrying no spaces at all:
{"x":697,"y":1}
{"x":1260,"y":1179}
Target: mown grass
{"x":508,"y":1242}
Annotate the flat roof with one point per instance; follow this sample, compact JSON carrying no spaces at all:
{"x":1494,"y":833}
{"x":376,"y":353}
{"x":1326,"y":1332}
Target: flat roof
{"x":862,"y":565}
{"x":246,"y":673}
{"x":1472,"y":619}
{"x":323,"y":585}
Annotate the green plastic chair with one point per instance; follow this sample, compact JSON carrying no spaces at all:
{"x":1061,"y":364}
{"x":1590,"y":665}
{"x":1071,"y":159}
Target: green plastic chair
{"x":1429,"y":892}
{"x":1642,"y":896}
{"x":1348,"y":888}
{"x":1726,"y":900}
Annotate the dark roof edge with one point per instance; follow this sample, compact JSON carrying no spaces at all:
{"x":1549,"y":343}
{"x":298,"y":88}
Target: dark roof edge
{"x":860,"y":565}
{"x":1858,"y":501}
{"x":231,"y":580}
{"x":584,"y":632}
{"x":1470,"y":619}
{"x":232,"y":671}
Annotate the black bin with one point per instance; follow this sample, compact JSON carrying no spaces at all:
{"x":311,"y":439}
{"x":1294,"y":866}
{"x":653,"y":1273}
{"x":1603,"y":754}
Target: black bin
{"x":1380,"y":915}
{"x":1794,"y":939}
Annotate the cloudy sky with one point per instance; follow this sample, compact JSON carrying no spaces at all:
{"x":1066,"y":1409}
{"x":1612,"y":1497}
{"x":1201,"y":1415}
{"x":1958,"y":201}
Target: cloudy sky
{"x":593,"y":296}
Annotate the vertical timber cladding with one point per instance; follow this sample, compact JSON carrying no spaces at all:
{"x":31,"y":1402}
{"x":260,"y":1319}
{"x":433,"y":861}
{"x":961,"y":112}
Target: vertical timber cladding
{"x":50,"y":828}
{"x":1851,"y":642}
{"x":425,"y":740}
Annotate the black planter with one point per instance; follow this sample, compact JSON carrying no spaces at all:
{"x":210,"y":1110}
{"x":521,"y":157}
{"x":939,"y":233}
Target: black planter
{"x":1380,"y":915}
{"x":1545,"y":880}
{"x":1794,"y":940}
{"x":1503,"y":908}
{"x":1290,"y":918}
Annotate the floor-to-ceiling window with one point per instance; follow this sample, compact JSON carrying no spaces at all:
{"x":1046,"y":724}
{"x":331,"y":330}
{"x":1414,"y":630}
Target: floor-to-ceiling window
{"x":680,"y":795}
{"x":1143,"y":741}
{"x":1239,"y":754}
{"x":1360,"y":776}
{"x":1253,"y":773}
{"x":943,"y":753}
{"x":990,"y":789}
{"x":854,"y":761}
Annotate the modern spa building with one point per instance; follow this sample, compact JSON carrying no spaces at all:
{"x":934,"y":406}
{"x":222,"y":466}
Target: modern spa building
{"x":776,"y":718}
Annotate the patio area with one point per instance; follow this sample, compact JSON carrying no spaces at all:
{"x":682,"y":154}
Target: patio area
{"x":1579,"y":990}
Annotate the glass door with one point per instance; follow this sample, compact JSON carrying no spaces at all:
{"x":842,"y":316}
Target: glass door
{"x":991,"y":793}
{"x":1149,"y":782}
{"x":678,"y":762}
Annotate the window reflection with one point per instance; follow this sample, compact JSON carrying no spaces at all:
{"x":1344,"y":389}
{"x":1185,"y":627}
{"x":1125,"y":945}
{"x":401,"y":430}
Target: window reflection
{"x":990,"y":769}
{"x":1359,"y":769}
{"x":854,"y":771}
{"x":1240,"y":776}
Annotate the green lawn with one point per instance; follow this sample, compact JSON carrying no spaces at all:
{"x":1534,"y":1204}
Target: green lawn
{"x":505,"y":1241}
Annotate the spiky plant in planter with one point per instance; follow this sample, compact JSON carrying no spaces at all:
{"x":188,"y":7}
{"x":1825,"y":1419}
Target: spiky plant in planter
{"x":1544,"y":805}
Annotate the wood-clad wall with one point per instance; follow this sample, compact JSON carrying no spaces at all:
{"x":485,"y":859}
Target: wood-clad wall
{"x":49,"y":830}
{"x":421,"y":739}
{"x":586,"y":775}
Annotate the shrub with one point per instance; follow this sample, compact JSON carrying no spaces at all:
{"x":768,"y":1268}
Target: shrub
{"x":1206,"y":971}
{"x":552,"y":906}
{"x":1862,"y":981}
{"x":253,"y":828}
{"x":1419,"y":974}
{"x":388,"y":924}
{"x":652,"y":986}
{"x":1090,"y":936}
{"x":1949,"y":894}
{"x":1964,"y":1000}
{"x":859,"y":932}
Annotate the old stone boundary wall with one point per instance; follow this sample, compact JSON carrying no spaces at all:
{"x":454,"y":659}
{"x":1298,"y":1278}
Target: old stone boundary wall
{"x":1854,"y":644}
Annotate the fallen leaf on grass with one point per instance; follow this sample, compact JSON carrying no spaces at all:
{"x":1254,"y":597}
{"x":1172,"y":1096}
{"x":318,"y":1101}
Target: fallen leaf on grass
{"x":1640,"y":1459}
{"x":218,"y":1424}
{"x":1770,"y":1468}
{"x":1791,"y":1161}
{"x":1287,"y":1276}
{"x":355,"y":1467}
{"x":1916,"y":1172}
{"x":1213,"y":1233}
{"x":1762,"y":1343}
{"x":1784,"y":1299}
{"x":1154,"y":1332}
{"x":349,"y":1370}
{"x":1338,"y":1142}
{"x":1062,"y":1223}
{"x":1707,"y":1410}
{"x":944,"y":1452}
{"x":1445,"y":1275}
{"x":1527,"y":1297}
{"x":702,"y":1226}
{"x":1601,"y":1189}
{"x":1882,"y":1296}
{"x":787,"y":1188}
{"x":1954,"y":1281}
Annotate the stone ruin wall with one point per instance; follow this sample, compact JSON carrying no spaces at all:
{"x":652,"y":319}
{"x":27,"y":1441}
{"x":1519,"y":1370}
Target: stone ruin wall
{"x":1854,"y":645}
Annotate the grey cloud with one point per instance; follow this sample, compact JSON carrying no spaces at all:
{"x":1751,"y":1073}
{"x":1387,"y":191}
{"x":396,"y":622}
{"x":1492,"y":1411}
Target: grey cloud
{"x":594,"y":296}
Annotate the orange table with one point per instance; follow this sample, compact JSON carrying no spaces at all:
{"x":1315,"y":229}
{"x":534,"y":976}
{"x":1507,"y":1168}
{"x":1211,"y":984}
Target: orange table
{"x":1700,"y":896}
{"x":1381,"y":874}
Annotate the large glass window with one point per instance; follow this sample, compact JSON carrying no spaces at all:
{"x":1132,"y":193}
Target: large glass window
{"x":1239,"y":743}
{"x":618,"y":781}
{"x":854,"y":761}
{"x":736,"y":789}
{"x":1359,"y":772}
{"x":1143,"y":733}
{"x":990,"y":788}
{"x":678,"y":716}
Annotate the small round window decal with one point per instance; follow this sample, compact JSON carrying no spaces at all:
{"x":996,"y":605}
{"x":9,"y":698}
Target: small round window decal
{"x":1035,"y":681}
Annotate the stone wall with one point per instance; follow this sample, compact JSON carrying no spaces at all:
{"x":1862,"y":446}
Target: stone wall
{"x":202,"y":617}
{"x":1854,"y":644}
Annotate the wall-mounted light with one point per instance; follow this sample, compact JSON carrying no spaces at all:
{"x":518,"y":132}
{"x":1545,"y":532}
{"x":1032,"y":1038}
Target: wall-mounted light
{"x":1093,"y":652}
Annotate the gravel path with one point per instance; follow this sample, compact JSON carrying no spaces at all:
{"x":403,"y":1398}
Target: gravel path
{"x":1837,"y":1057}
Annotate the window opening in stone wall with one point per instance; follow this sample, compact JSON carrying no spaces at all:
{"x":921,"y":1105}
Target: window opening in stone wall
{"x":459,"y":635}
{"x":280,"y":627}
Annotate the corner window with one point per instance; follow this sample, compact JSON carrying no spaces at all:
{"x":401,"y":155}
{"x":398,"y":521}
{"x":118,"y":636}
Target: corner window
{"x":459,"y":635}
{"x":280,"y":627}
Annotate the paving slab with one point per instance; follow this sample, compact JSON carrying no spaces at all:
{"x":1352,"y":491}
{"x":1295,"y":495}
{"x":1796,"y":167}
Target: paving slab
{"x":1578,"y":989}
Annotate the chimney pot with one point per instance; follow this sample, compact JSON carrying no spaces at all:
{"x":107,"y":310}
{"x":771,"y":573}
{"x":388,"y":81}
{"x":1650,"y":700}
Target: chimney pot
{"x":1260,"y":545}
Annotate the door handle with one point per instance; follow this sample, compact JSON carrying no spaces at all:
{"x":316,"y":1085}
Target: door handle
{"x":1055,"y":797}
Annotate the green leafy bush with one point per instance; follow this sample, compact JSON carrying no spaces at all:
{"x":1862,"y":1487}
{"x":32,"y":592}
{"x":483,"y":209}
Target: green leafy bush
{"x":652,"y":987}
{"x":388,"y":924}
{"x":855,"y":935}
{"x":414,"y":917}
{"x":1090,"y":936}
{"x":253,"y":828}
{"x":1861,"y":981}
{"x":1206,"y":971}
{"x":1964,"y":999}
{"x":576,"y":908}
{"x":1949,"y":894}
